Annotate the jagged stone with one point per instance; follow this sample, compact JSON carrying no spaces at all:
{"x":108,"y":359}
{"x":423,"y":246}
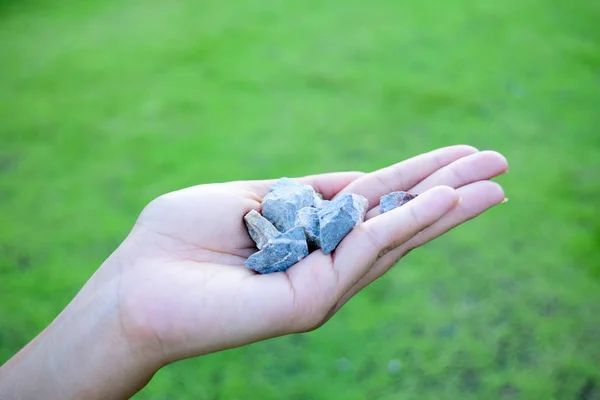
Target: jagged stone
{"x":308,"y":219}
{"x":280,"y":253}
{"x":318,"y":200}
{"x":338,"y":217}
{"x":259,"y":228}
{"x":394,"y":200}
{"x":283,"y":201}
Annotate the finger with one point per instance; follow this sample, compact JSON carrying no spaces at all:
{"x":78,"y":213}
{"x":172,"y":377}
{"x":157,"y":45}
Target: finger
{"x":319,"y":281}
{"x":406,"y":174}
{"x":472,"y":168}
{"x":476,"y":198}
{"x":327,"y":184}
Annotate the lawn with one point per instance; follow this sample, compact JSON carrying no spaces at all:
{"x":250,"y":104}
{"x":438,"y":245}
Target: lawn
{"x":104,"y":105}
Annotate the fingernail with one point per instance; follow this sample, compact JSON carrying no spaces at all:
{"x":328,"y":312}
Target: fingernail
{"x":504,"y":201}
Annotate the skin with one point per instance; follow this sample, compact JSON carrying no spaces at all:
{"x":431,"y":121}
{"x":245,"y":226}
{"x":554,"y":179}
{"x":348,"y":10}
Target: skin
{"x":177,"y":286}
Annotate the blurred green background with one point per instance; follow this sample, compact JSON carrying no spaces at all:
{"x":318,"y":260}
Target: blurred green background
{"x":104,"y":105}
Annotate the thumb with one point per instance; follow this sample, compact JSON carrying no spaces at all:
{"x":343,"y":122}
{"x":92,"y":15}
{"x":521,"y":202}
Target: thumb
{"x":320,"y":280}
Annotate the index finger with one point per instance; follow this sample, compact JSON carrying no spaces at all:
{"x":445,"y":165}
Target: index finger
{"x":405,"y":174}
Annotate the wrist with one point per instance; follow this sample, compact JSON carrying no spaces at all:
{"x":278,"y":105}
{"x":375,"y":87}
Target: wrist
{"x":83,"y":353}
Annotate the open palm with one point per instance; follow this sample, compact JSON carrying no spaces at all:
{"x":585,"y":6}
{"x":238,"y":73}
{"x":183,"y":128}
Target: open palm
{"x":183,"y":288}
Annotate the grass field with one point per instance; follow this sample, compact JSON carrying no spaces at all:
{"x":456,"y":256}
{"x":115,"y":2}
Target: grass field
{"x":104,"y":105}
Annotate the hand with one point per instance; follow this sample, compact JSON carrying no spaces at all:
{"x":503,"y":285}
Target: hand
{"x":178,"y":287}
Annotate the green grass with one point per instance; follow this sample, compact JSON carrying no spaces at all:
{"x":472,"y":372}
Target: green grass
{"x":104,"y":105}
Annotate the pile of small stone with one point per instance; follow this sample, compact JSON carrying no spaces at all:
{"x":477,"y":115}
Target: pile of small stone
{"x":296,"y":220}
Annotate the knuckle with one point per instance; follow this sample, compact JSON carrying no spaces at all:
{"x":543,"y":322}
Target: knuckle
{"x":383,"y":181}
{"x":415,"y":215}
{"x":458,"y":173}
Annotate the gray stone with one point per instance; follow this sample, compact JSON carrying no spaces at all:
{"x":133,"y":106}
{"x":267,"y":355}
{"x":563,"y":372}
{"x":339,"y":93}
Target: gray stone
{"x":259,"y":228}
{"x":394,"y":200}
{"x":318,"y":200}
{"x":280,"y":253}
{"x":283,"y":201}
{"x":337,"y":219}
{"x":308,"y":219}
